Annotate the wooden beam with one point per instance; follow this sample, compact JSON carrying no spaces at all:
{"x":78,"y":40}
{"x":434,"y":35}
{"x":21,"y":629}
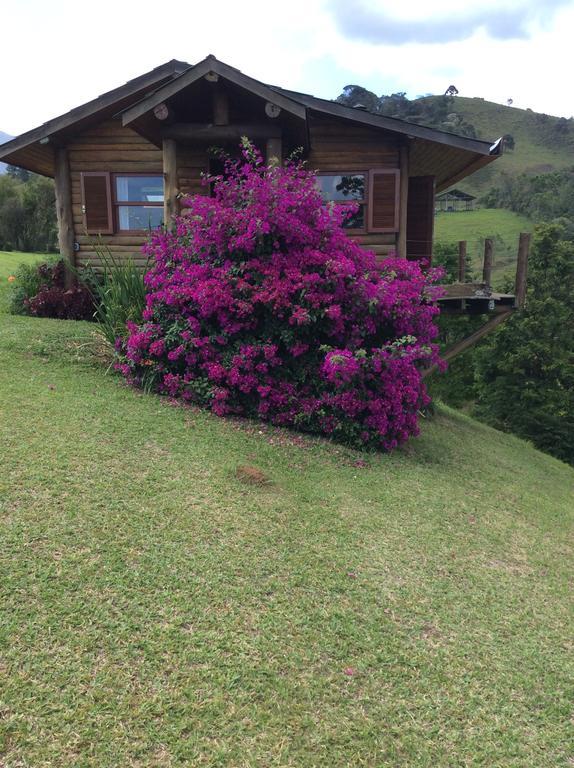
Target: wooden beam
{"x":274,"y":151}
{"x":206,"y":132}
{"x":521,"y":269}
{"x":220,"y":106}
{"x":63,"y":187}
{"x":487,"y":265}
{"x":170,"y":181}
{"x":461,"y":261}
{"x":461,"y":346}
{"x":403,"y":200}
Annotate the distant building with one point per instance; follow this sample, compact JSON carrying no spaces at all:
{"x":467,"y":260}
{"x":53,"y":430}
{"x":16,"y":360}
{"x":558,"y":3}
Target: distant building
{"x":454,"y":200}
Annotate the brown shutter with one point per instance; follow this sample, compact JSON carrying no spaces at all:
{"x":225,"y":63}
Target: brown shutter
{"x":97,"y":203}
{"x":420,"y":217}
{"x":384,"y":201}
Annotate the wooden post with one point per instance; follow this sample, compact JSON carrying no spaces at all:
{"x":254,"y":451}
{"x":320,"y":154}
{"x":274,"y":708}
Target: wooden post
{"x":170,"y":181}
{"x":403,"y":200}
{"x":273,"y":151}
{"x":521,"y":269}
{"x":487,"y":266}
{"x":462,"y":261}
{"x":66,"y":236}
{"x":220,"y":106}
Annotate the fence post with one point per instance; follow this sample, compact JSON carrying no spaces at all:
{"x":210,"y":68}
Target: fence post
{"x":521,"y":269}
{"x":487,"y":266}
{"x":461,"y":261}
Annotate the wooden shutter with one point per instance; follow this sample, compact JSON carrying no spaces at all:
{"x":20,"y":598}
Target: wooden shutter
{"x":384,"y":201}
{"x":420,"y":217}
{"x":97,"y":203}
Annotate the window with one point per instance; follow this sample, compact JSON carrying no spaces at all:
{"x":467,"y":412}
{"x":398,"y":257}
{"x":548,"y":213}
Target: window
{"x":346,"y":188}
{"x":138,"y":201}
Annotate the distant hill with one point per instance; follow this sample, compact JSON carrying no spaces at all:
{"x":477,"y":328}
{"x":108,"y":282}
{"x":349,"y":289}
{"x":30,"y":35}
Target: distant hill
{"x":4,"y":137}
{"x":543,"y":143}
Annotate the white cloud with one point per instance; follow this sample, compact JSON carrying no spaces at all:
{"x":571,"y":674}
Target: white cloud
{"x":67,"y":53}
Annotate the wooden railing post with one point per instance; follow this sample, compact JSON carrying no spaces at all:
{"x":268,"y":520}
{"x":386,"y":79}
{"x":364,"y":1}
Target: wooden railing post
{"x":521,"y":269}
{"x":487,"y":266}
{"x":461,"y":261}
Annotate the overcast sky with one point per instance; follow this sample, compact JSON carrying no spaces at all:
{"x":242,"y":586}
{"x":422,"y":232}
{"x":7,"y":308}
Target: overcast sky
{"x":57,"y":54}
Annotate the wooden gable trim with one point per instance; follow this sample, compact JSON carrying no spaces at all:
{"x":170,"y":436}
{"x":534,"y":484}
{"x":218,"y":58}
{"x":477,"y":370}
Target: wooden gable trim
{"x":212,"y":65}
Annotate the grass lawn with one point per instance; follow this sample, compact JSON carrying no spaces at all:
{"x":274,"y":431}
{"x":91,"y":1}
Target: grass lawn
{"x":503,"y":226}
{"x":358,"y":610}
{"x":9,"y":261}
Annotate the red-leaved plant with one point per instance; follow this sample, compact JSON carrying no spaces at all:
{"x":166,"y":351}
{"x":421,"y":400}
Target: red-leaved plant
{"x":259,"y":304}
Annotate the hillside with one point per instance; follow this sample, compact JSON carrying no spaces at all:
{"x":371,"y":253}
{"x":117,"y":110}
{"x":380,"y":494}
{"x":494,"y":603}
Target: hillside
{"x":543,"y":143}
{"x":355,"y":609}
{"x":502,"y":226}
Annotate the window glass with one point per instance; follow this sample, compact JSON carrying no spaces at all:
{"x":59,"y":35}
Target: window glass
{"x":140,"y":216}
{"x":342,"y":188}
{"x":139,"y":189}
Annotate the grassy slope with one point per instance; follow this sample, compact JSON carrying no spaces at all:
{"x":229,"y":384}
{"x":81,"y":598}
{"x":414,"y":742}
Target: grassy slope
{"x":473,"y":226}
{"x":539,"y":148}
{"x":158,"y":612}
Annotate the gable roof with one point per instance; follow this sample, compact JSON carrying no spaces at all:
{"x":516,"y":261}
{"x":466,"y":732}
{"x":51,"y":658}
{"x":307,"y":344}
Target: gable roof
{"x":446,"y":156}
{"x":30,"y":148}
{"x":458,"y":194}
{"x":193,"y":74}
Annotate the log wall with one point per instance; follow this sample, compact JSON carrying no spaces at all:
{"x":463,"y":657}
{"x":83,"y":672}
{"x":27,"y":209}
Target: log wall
{"x":337,"y":145}
{"x":108,"y":147}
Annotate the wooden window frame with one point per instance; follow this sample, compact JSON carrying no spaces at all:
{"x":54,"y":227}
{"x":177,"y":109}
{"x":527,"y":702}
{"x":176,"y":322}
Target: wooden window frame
{"x":106,"y":175}
{"x":365,"y":201}
{"x":116,"y":204}
{"x":396,"y":227}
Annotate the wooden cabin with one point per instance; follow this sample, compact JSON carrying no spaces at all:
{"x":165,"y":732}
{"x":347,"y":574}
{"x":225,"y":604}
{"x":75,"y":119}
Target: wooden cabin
{"x":454,"y":200}
{"x":122,"y":162}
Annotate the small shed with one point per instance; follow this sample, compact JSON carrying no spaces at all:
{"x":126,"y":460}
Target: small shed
{"x":454,"y":200}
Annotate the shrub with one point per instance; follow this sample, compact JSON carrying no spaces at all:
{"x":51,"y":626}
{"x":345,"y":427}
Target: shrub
{"x":64,"y":304}
{"x":29,"y":280}
{"x":40,"y":290}
{"x":259,"y":304}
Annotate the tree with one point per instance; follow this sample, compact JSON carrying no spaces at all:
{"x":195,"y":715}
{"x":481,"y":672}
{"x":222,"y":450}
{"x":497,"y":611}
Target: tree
{"x":18,"y":173}
{"x":525,"y":372}
{"x":452,"y":90}
{"x":509,"y":141}
{"x":27,"y":213}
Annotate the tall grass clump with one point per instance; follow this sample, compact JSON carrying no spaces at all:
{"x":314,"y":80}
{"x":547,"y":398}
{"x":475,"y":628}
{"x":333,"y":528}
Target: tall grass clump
{"x":119,"y":292}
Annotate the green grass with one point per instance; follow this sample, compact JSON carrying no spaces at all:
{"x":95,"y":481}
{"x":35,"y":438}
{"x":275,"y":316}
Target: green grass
{"x":9,"y":261}
{"x":539,"y":147}
{"x":503,"y":226}
{"x":157,"y":611}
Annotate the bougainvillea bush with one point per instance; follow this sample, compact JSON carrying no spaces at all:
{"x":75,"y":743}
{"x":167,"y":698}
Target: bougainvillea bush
{"x":260,"y":305}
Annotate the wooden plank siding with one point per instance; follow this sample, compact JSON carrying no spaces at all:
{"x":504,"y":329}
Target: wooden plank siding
{"x":335,"y":145}
{"x":109,"y":147}
{"x":338,"y":145}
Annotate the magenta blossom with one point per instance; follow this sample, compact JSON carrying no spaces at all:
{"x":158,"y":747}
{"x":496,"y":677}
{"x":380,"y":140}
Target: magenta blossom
{"x":259,"y":304}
